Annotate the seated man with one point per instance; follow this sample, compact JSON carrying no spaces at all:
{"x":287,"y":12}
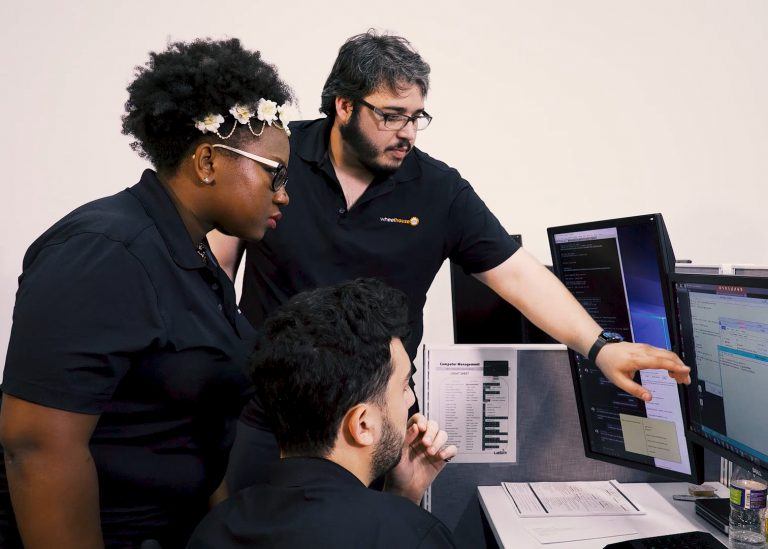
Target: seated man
{"x":332,"y":373}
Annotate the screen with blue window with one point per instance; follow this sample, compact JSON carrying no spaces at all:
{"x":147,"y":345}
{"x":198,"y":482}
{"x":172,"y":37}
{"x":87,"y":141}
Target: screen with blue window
{"x":616,"y":270}
{"x":724,"y":338}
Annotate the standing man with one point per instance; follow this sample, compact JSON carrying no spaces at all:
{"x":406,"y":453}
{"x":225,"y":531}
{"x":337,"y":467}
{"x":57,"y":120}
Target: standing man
{"x":365,"y":202}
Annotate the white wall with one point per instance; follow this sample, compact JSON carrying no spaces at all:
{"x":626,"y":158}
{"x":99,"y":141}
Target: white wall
{"x":556,"y":111}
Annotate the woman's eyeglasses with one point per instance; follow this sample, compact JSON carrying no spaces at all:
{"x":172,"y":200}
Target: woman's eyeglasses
{"x":278,"y":170}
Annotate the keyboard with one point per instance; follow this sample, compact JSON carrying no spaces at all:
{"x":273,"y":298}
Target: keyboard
{"x":686,"y":540}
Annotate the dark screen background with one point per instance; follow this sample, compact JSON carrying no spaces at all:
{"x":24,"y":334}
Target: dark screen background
{"x":600,"y":288}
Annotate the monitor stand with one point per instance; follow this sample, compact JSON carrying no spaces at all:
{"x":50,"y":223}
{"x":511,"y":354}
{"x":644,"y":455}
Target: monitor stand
{"x":716,"y":511}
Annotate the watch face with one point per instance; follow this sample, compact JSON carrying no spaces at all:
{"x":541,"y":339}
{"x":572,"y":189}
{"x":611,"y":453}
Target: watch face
{"x":612,"y":337}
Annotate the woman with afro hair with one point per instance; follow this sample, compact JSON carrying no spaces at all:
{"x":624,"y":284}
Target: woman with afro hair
{"x":125,"y":368}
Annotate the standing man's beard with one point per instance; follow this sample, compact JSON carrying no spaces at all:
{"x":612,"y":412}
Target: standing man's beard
{"x":388,"y":451}
{"x":366,"y":151}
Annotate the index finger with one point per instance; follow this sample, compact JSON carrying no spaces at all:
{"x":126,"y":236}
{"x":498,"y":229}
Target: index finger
{"x":411,"y":434}
{"x":663,"y":354}
{"x":420,"y":420}
{"x":658,"y":359}
{"x":680,"y":378}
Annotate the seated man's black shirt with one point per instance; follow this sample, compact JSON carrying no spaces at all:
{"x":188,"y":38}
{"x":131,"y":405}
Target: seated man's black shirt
{"x":116,"y":314}
{"x":313,"y":502}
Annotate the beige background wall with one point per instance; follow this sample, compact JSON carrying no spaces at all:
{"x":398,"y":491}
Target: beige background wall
{"x":556,"y":111}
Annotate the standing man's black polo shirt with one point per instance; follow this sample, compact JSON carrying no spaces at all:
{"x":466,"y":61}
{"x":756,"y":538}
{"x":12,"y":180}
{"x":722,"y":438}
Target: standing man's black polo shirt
{"x":400,"y":231}
{"x":313,"y":502}
{"x":116,"y":314}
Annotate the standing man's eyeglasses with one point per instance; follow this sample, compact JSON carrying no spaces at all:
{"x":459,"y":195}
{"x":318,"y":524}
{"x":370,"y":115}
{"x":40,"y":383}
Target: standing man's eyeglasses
{"x":278,"y":170}
{"x":397,"y":122}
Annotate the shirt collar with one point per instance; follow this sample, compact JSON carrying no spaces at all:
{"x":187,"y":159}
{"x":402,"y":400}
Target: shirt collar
{"x":306,"y":471}
{"x":160,"y":207}
{"x":311,"y":142}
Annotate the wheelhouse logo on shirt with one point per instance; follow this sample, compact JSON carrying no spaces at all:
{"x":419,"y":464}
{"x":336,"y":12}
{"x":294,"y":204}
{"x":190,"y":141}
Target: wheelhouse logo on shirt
{"x":412,"y":221}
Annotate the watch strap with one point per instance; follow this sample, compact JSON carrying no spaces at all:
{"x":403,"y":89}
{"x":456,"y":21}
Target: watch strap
{"x":596,"y":346}
{"x":602,"y":340}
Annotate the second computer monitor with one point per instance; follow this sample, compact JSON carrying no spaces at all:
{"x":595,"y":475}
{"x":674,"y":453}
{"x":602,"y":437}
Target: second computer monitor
{"x":724,"y":339}
{"x":618,"y":270}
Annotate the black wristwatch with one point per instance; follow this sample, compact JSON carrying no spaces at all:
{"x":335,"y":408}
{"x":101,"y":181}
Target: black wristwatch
{"x":603,"y":339}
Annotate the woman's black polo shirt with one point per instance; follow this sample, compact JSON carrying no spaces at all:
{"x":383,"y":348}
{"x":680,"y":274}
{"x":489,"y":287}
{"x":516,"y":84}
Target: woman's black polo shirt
{"x":400,"y":231}
{"x":116,"y":314}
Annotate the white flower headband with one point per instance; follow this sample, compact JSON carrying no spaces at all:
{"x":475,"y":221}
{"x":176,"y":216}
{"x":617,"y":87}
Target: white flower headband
{"x":268,"y":112}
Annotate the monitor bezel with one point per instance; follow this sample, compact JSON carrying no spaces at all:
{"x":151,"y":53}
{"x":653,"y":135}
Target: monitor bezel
{"x":760,"y":470}
{"x":666,"y":261}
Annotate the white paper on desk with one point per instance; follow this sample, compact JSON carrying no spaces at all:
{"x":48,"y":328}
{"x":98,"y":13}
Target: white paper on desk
{"x":570,"y":499}
{"x":477,"y":411}
{"x":559,"y":530}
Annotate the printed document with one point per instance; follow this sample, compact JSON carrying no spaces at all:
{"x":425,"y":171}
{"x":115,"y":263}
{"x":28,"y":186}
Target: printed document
{"x":472,"y":392}
{"x":569,"y":499}
{"x":560,"y":530}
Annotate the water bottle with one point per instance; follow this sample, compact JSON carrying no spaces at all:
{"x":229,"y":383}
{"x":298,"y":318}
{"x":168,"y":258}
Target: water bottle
{"x":747,"y":523}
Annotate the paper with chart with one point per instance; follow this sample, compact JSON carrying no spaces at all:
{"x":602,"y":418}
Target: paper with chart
{"x":472,"y":393}
{"x":570,"y":499}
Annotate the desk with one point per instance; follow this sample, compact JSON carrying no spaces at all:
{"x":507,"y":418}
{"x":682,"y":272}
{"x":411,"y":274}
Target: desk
{"x":663,"y":516}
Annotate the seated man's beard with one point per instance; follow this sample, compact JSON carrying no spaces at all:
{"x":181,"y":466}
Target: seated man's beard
{"x":365,"y":150}
{"x":388,"y":451}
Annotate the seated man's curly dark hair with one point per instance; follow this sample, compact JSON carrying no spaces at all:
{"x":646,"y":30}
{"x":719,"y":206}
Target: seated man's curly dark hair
{"x":320,"y":354}
{"x":184,"y":83}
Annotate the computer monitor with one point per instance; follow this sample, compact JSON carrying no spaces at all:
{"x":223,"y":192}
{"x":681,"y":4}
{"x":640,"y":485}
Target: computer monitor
{"x":724,"y":339}
{"x":618,"y":269}
{"x":480,"y":316}
{"x":750,"y":270}
{"x":697,"y":268}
